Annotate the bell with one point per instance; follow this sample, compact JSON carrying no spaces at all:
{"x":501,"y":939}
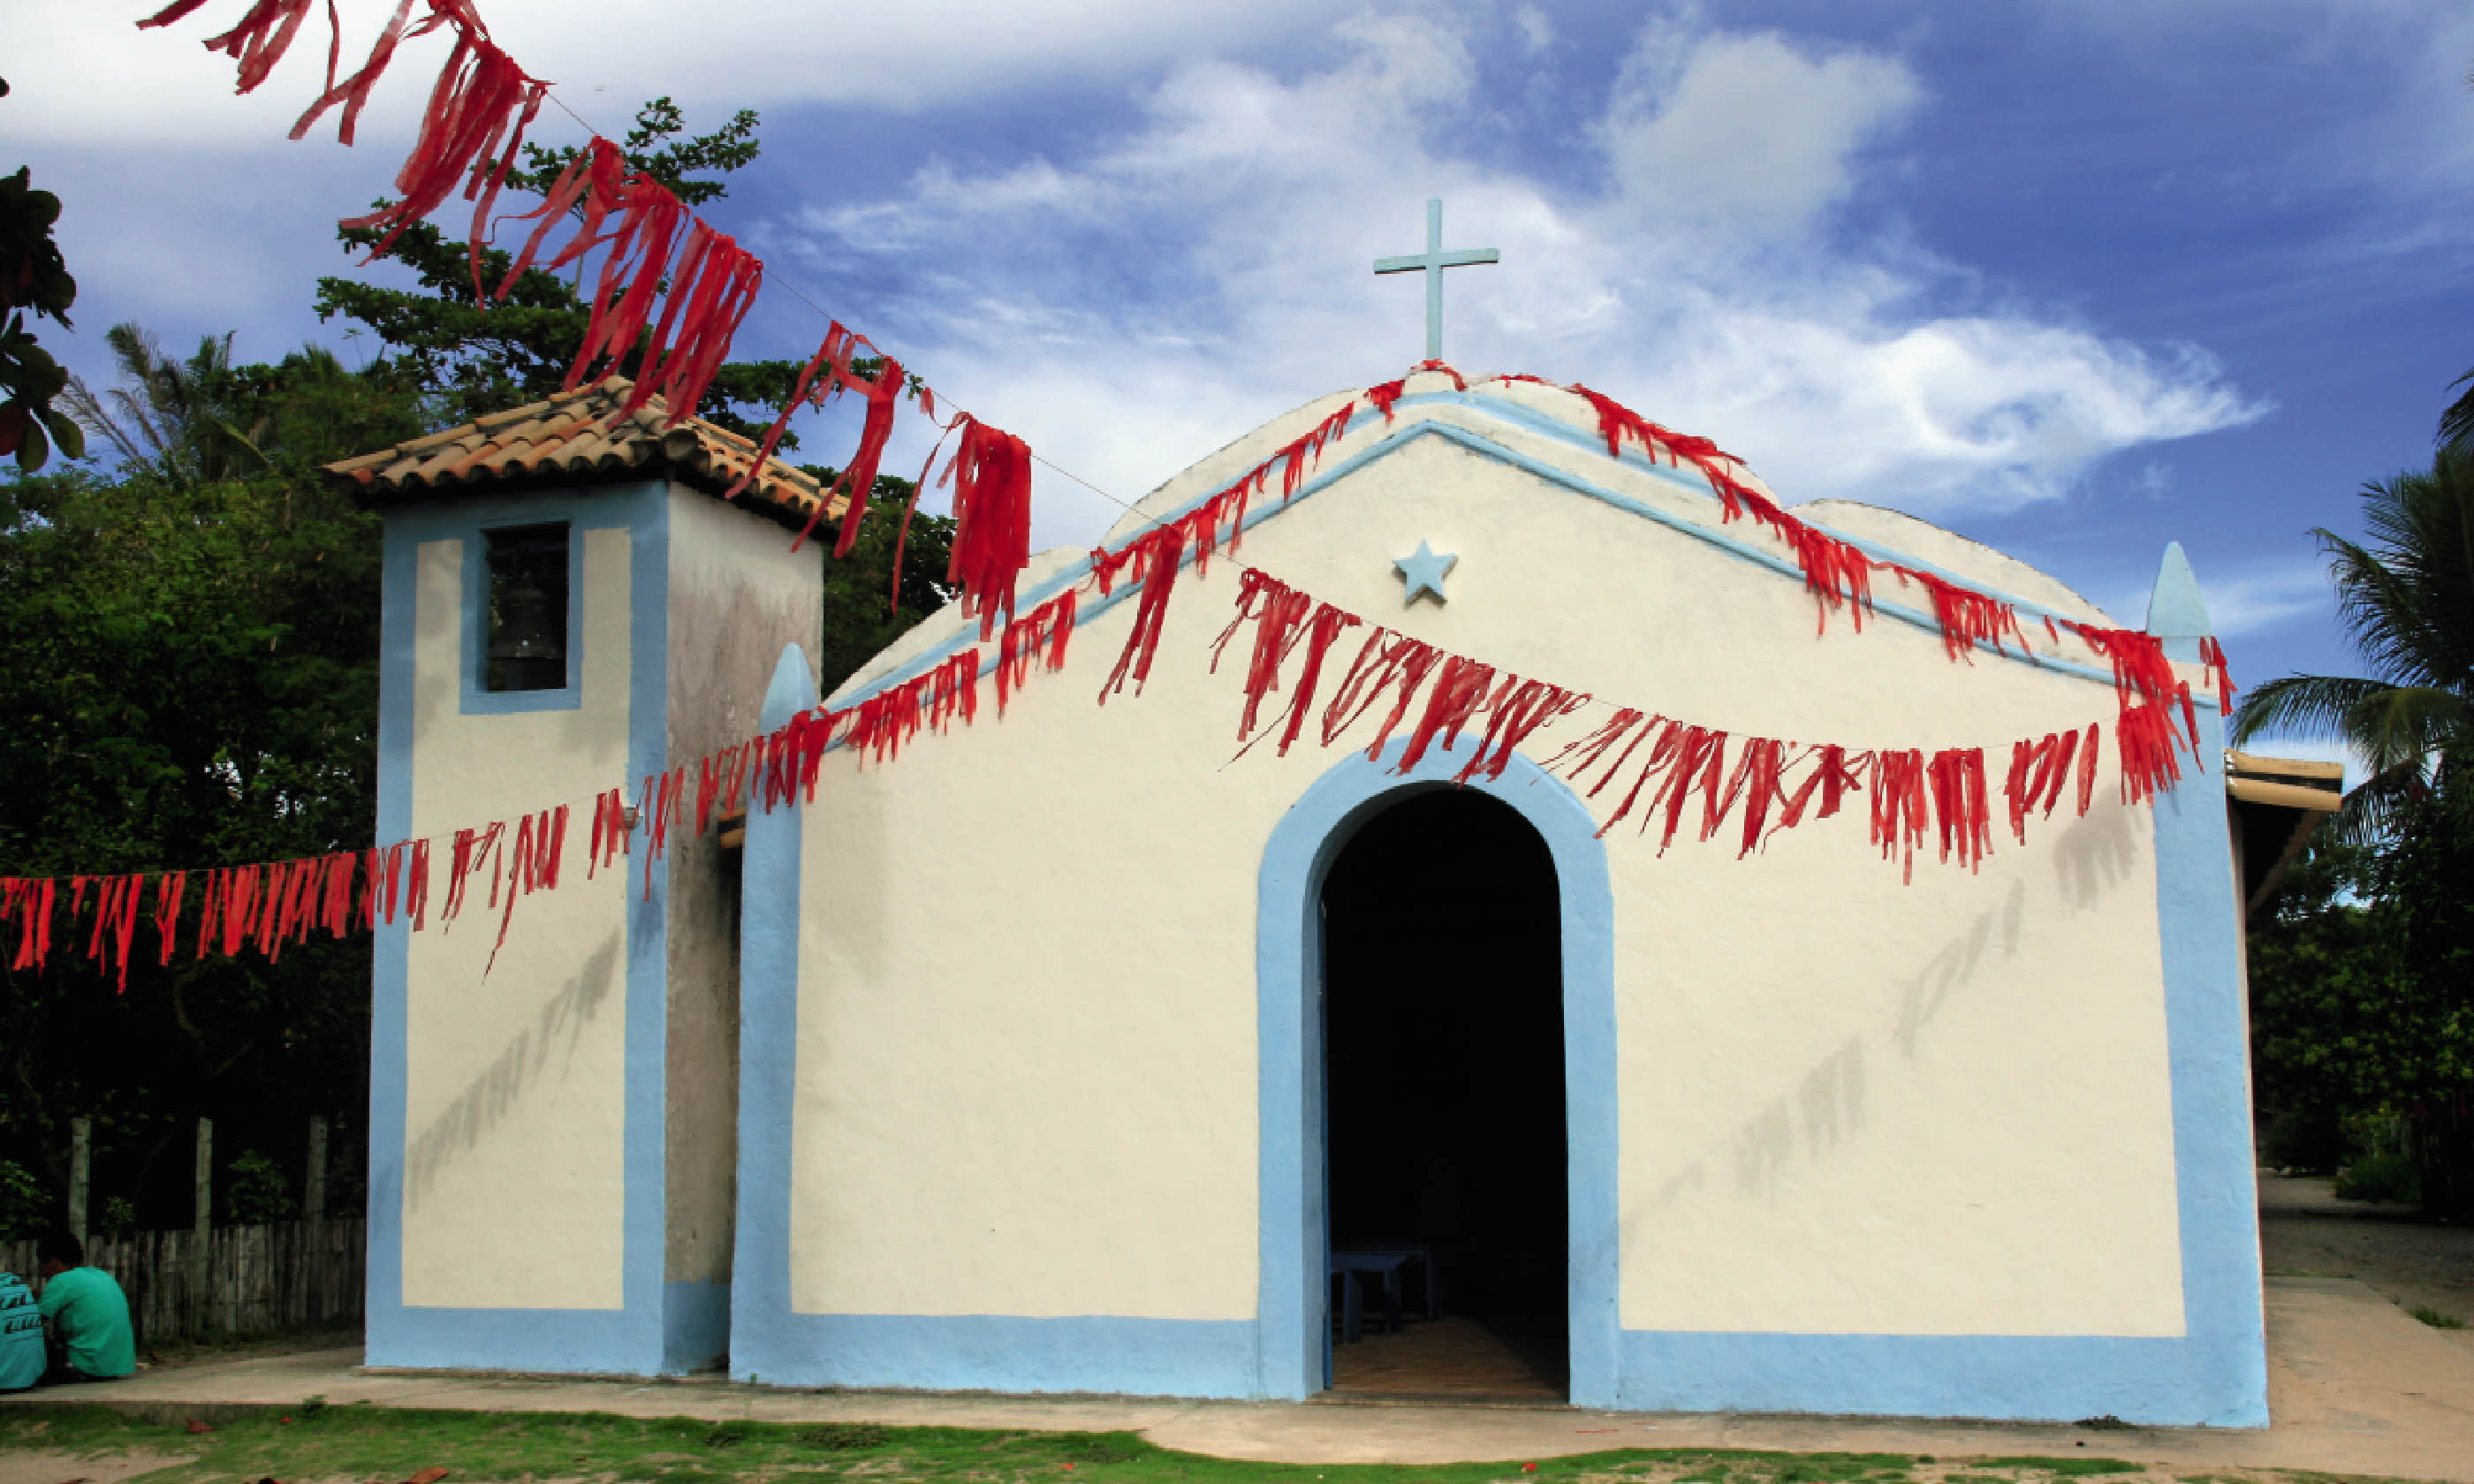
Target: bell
{"x":528,"y":651}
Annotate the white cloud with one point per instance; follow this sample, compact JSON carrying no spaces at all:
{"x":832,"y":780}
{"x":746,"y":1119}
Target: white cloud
{"x":1748,"y":130}
{"x":1537,"y":32}
{"x":1133,"y":300}
{"x":100,"y":79}
{"x":2249,"y":599}
{"x":2249,"y":602}
{"x":1210,"y":268}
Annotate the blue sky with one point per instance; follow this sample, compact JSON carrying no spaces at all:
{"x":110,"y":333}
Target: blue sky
{"x":2071,"y":276}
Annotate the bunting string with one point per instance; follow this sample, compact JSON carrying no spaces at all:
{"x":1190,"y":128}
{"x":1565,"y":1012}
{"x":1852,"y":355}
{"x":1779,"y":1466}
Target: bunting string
{"x":1676,"y":775}
{"x":673,"y":291}
{"x":654,"y":248}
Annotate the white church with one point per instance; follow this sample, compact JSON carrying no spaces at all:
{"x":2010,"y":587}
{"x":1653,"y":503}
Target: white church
{"x":1065,"y":1053}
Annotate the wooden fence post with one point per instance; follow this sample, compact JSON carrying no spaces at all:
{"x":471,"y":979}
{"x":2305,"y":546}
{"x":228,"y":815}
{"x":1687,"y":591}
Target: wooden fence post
{"x":313,"y":1185}
{"x":81,"y":1150}
{"x":201,"y":1258}
{"x":309,"y":1265}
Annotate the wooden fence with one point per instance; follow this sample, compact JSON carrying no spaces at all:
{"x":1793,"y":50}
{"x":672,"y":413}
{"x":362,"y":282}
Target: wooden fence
{"x":289,"y":1275}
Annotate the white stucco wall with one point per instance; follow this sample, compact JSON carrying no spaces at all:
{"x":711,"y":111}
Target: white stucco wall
{"x":515,"y":1083}
{"x":1026,"y":1036}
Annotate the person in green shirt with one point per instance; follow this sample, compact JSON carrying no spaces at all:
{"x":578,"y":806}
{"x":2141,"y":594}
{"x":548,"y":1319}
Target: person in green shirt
{"x":88,"y":1314}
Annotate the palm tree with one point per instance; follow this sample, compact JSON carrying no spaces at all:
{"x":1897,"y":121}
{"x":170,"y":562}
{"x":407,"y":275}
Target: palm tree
{"x":2405,"y":596}
{"x":2457,"y":423}
{"x":165,"y":416}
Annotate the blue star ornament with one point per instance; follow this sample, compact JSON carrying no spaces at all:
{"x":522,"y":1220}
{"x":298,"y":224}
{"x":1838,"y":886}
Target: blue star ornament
{"x":1423,"y":571}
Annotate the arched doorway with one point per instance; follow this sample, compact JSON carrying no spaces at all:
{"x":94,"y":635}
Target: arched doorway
{"x":1292,"y":1333}
{"x":1444,"y":1098}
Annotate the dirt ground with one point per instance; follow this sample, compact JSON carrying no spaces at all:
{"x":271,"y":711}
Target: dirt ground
{"x":31,"y":1467}
{"x":2305,"y":1230}
{"x":176,"y":1354}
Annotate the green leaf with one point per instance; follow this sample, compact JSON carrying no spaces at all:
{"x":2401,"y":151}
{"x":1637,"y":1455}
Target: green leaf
{"x":70,"y":437}
{"x":35,"y":449}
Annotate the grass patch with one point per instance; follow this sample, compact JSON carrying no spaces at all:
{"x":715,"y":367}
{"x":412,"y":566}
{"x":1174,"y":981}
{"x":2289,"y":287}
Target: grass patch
{"x":843,"y":1437}
{"x":2436,"y":1319}
{"x":315,"y":1440}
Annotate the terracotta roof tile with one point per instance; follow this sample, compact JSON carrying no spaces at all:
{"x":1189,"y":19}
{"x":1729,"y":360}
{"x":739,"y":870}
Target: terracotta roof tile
{"x":570,"y":438}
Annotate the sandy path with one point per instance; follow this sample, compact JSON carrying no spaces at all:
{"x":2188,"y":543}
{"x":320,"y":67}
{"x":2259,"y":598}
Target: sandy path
{"x":2305,"y":1230}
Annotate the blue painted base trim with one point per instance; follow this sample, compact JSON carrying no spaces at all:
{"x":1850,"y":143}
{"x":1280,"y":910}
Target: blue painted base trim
{"x":606,"y":1342}
{"x":1143,"y":1357}
{"x":2157,"y":1382}
{"x":696,"y":1326}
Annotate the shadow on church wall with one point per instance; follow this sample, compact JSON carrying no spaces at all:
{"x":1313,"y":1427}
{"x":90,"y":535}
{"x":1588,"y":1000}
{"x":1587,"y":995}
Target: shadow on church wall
{"x":1824,"y":1109}
{"x":489,"y":1097}
{"x":1923,"y":997}
{"x":1828,"y":1107}
{"x":2094,"y":855}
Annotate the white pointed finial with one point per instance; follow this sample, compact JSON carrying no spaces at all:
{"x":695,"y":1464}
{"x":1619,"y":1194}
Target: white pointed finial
{"x":793,"y":688}
{"x":2176,"y":612}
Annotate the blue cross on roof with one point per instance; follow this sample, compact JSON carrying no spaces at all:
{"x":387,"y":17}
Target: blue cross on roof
{"x":1432,"y":262}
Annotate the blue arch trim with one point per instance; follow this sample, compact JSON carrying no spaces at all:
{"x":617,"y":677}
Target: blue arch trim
{"x":1291,"y":1318}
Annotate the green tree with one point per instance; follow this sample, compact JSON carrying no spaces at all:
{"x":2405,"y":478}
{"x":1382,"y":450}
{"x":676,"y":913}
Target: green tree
{"x":2404,"y":598}
{"x":26,"y":1208}
{"x":33,"y":276}
{"x":163,"y":419}
{"x":188,"y":659}
{"x":2394,"y":1010}
{"x":653,"y":147}
{"x":482,"y":358}
{"x":2426,"y":881}
{"x":255,"y":1190}
{"x":864,"y":609}
{"x":2457,"y":423}
{"x":475,"y":360}
{"x":2326,"y":1041}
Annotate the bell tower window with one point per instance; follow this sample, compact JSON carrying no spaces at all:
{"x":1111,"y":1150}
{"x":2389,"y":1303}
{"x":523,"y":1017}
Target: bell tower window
{"x":525,"y":648}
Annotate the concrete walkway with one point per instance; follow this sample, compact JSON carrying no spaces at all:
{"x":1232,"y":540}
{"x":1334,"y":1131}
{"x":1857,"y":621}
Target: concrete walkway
{"x":2355,"y":1384}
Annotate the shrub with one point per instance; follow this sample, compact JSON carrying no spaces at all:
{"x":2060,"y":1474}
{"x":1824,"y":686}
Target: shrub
{"x":25,"y":1207}
{"x":2379,"y":1177}
{"x":259,"y":1192}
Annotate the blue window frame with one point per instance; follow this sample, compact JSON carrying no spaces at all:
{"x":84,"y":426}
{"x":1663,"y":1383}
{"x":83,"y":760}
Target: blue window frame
{"x":524,"y":643}
{"x":541,"y":550}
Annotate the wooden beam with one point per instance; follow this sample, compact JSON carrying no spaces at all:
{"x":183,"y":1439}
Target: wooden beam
{"x":2284,"y":796}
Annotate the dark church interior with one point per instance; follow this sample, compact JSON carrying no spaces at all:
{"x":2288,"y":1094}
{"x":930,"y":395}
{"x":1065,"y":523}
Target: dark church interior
{"x":1443,"y":1060}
